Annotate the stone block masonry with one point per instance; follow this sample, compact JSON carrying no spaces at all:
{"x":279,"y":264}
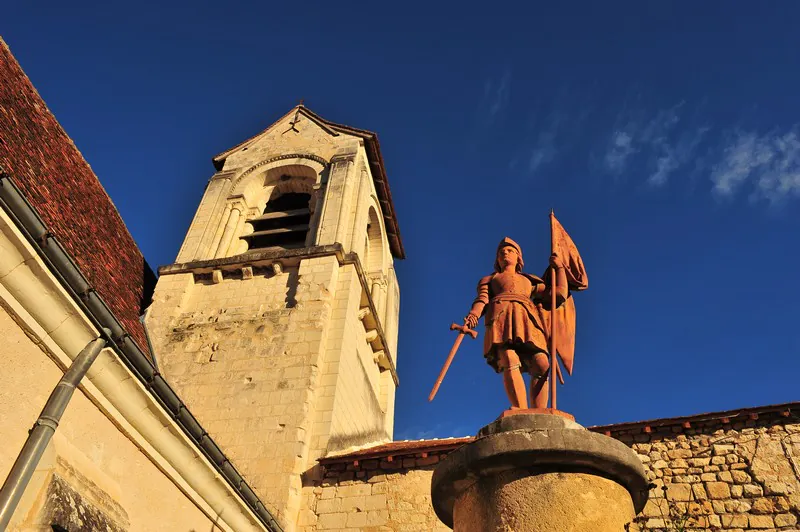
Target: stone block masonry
{"x":276,"y":364}
{"x":245,"y":355}
{"x":375,"y":495}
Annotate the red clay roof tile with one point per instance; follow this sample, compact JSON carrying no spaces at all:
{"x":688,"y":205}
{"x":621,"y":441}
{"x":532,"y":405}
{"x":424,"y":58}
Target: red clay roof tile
{"x":54,"y":177}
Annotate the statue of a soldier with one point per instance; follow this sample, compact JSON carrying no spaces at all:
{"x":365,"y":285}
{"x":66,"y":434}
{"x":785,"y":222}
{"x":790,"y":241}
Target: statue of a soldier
{"x":512,"y":303}
{"x":528,"y":319}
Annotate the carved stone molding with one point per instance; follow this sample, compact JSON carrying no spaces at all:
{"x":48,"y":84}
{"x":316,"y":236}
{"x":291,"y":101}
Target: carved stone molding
{"x":269,"y":160}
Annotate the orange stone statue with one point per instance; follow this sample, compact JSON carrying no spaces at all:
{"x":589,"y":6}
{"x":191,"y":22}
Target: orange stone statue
{"x":528,"y":319}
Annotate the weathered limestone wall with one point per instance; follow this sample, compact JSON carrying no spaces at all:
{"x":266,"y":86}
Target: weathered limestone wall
{"x":237,"y":185}
{"x":245,"y":355}
{"x":202,"y":231}
{"x":276,"y":366}
{"x":743,"y":475}
{"x":357,"y":417}
{"x":334,"y":170}
{"x":92,"y":476}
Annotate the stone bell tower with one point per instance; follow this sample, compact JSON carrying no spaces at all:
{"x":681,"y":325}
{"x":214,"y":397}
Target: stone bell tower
{"x":277,"y":324}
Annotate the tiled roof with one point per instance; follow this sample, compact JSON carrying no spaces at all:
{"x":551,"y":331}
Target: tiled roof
{"x":54,"y":177}
{"x":400,"y":449}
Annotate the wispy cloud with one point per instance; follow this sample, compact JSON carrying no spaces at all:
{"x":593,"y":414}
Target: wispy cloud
{"x":619,"y":149}
{"x":674,"y":156}
{"x":439,"y":430}
{"x":490,"y":109}
{"x":657,"y":139}
{"x":557,"y":131}
{"x":768,"y":163}
{"x":764,"y":166}
{"x":544,"y":150}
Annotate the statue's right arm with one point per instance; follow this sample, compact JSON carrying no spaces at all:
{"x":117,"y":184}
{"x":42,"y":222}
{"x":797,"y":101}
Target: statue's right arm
{"x":480,"y":302}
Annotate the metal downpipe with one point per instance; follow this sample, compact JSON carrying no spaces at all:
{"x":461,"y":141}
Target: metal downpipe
{"x":43,"y":430}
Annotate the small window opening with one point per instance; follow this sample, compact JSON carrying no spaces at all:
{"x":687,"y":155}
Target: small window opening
{"x":285,"y":222}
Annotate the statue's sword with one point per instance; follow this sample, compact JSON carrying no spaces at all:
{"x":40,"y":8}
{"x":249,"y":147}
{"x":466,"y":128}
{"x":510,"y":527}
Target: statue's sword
{"x":462,"y":330}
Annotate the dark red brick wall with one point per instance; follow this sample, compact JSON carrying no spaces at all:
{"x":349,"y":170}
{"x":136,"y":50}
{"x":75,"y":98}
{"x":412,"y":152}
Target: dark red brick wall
{"x":59,"y":183}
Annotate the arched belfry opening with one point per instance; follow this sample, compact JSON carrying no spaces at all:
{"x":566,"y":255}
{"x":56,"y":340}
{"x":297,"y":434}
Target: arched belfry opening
{"x":284,"y":222}
{"x":285,"y":219}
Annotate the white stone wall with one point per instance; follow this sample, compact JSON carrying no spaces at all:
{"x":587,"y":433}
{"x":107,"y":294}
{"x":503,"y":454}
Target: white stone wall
{"x":207,"y":221}
{"x":88,"y":453}
{"x":244,"y":355}
{"x":357,"y":417}
{"x":276,"y":367}
{"x":376,"y":495}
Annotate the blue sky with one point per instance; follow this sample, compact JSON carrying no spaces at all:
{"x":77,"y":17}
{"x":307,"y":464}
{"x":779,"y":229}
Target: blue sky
{"x":666,"y":137}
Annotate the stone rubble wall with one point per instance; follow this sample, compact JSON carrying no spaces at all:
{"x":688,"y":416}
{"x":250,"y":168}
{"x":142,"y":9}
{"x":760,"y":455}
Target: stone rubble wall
{"x":743,"y":475}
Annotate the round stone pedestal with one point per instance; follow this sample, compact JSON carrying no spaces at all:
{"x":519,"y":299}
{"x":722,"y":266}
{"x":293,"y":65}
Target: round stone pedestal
{"x":539,"y":473}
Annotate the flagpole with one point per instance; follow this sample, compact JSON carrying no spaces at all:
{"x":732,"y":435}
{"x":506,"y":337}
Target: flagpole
{"x":553,"y":361}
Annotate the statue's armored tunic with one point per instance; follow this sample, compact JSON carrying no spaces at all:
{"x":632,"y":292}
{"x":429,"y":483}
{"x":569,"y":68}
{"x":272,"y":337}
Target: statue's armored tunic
{"x":511,"y":317}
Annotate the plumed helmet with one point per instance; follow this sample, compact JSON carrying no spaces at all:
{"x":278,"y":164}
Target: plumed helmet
{"x":508,"y":242}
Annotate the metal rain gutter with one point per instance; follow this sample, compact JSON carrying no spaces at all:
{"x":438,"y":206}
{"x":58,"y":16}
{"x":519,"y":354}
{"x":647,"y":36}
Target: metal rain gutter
{"x":62,"y":266}
{"x":44,"y":428}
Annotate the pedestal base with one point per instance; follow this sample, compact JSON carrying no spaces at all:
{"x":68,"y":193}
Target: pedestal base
{"x":542,"y":473}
